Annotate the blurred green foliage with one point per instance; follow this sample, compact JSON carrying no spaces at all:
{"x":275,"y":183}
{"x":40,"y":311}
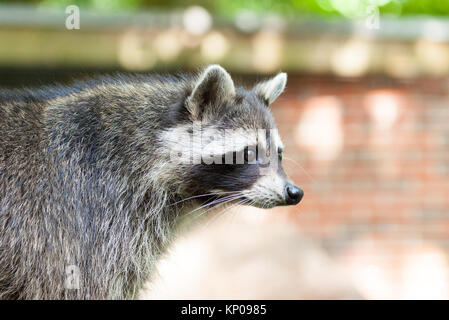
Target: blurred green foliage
{"x":287,"y":8}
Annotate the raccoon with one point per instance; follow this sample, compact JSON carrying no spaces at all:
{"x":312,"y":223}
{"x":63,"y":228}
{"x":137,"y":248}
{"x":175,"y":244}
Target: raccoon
{"x":96,"y":177}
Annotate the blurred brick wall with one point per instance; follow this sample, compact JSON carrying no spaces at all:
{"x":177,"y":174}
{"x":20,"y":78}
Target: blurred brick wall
{"x":372,"y":156}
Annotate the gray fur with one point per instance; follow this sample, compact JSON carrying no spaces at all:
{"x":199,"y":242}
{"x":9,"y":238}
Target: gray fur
{"x":83,"y":182}
{"x":219,"y":80}
{"x":271,"y":89}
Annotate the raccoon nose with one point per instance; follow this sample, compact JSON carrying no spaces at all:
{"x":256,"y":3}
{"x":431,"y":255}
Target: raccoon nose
{"x":293,"y":194}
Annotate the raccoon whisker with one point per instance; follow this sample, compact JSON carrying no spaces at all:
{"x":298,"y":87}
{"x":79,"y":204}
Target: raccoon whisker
{"x":224,"y":199}
{"x":230,"y":176}
{"x":204,"y":195}
{"x":216,"y":202}
{"x":225,"y":210}
{"x":302,"y":168}
{"x":220,"y":204}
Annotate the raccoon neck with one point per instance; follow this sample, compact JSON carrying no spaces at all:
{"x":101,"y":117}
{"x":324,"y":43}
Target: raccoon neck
{"x":153,"y":226}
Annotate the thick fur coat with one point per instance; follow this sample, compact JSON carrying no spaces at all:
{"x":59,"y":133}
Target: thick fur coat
{"x":86,"y":181}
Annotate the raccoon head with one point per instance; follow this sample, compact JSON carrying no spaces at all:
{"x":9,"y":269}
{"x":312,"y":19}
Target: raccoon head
{"x":228,"y":146}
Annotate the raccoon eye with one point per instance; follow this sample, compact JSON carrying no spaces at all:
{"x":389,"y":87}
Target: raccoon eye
{"x":280,"y":154}
{"x":250,"y":155}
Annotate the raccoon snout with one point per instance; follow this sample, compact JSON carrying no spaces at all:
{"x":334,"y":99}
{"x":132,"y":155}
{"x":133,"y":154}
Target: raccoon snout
{"x":293,"y":194}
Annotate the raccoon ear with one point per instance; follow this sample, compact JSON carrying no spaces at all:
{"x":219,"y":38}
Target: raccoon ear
{"x":271,"y":89}
{"x":213,"y":86}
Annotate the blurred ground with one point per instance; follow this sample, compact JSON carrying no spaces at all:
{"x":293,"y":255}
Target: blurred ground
{"x":249,"y":254}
